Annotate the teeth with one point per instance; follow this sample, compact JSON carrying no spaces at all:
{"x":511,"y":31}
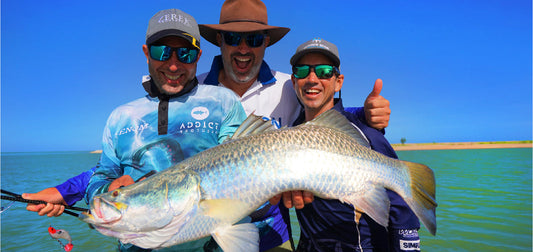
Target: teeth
{"x":172,"y":77}
{"x":312,"y":91}
{"x":242,"y":59}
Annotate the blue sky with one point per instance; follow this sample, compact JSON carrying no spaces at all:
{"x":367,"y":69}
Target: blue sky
{"x":453,"y":70}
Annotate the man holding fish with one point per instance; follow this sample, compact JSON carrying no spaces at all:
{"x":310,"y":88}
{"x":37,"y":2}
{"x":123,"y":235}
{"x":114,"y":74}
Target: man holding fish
{"x":327,"y":224}
{"x":176,"y":120}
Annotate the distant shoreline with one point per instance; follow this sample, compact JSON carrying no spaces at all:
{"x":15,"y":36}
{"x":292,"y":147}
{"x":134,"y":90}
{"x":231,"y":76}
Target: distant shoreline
{"x":449,"y":146}
{"x":462,"y":145}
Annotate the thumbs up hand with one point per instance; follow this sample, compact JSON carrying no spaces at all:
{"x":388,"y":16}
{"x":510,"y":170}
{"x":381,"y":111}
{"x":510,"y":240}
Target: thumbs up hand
{"x":377,"y":108}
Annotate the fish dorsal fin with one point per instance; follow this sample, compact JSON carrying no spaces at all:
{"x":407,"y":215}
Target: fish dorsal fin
{"x":335,"y":120}
{"x":254,"y":125}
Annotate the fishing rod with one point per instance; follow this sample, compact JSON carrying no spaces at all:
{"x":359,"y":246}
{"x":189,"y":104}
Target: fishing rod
{"x":17,"y":197}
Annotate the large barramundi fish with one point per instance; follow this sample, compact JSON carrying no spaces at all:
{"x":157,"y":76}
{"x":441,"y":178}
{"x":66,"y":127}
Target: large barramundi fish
{"x":208,"y":193}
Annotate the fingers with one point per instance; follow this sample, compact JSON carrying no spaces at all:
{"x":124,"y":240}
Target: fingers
{"x":50,"y":209}
{"x":125,"y":180}
{"x":297,"y":199}
{"x":275,"y":200}
{"x":287,"y":199}
{"x":308,"y":197}
{"x":35,"y":207}
{"x":378,"y":85}
{"x":377,"y":108}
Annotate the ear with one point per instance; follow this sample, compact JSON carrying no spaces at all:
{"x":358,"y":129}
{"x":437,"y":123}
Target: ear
{"x":146,"y":53}
{"x":267,"y":41}
{"x":338,"y":82}
{"x":199,"y":54}
{"x":293,"y":81}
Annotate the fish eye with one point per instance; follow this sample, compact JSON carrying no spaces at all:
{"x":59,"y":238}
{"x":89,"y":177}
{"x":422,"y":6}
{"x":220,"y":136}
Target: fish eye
{"x":115,"y":193}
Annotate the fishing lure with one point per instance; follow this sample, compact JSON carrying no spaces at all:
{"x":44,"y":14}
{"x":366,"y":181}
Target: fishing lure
{"x":61,"y":234}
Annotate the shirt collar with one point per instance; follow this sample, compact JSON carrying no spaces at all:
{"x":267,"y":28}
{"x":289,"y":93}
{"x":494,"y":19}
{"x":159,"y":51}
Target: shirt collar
{"x":265,"y":74}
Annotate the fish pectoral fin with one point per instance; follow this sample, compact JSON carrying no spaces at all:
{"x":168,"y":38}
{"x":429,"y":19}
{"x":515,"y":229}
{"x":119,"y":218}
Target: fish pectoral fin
{"x":240,"y":237}
{"x":226,"y":210}
{"x":375,"y":203}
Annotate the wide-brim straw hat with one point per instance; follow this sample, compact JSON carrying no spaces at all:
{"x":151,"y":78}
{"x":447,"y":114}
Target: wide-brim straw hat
{"x":243,"y":16}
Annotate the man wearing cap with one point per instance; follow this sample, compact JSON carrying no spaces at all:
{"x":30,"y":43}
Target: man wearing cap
{"x":177,"y":119}
{"x":243,"y":34}
{"x":329,"y":225}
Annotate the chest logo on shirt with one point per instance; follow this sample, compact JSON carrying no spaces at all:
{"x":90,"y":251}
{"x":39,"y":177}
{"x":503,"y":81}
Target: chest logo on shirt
{"x":200,"y":113}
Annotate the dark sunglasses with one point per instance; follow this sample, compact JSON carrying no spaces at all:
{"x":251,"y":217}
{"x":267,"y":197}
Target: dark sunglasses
{"x":163,"y":53}
{"x":252,"y":39}
{"x":321,"y":71}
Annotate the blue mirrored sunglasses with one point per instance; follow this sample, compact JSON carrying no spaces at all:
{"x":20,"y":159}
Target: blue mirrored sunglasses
{"x":163,"y":53}
{"x":252,"y":39}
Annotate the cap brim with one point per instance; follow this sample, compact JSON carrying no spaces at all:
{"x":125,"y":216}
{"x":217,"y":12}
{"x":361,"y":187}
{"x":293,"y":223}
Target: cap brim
{"x":173,"y":32}
{"x":209,"y":32}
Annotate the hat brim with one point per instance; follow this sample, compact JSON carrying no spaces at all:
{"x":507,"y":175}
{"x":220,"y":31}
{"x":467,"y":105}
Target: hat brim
{"x":209,"y":31}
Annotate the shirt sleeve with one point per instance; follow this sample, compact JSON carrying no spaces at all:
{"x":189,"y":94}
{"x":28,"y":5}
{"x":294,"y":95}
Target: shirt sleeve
{"x":232,"y":121}
{"x":73,"y":190}
{"x":359,"y":112}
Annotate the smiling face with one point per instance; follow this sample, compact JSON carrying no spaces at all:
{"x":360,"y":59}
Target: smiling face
{"x":171,"y":75}
{"x":316,"y":94}
{"x":241,"y":64}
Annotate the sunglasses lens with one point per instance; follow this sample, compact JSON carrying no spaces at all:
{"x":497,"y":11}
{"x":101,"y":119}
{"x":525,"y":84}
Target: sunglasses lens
{"x":160,"y":53}
{"x":324,"y":71}
{"x":321,"y":71}
{"x":187,"y":55}
{"x":300,"y":72}
{"x":163,"y":53}
{"x":232,"y":38}
{"x":255,"y":40}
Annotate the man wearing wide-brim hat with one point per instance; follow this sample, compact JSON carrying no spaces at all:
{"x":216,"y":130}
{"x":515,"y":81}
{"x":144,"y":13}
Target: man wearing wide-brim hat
{"x":243,"y":34}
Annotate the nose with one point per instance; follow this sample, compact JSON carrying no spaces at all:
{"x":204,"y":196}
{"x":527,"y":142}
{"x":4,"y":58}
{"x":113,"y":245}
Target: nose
{"x":173,"y":62}
{"x":312,"y":76}
{"x":243,"y":46}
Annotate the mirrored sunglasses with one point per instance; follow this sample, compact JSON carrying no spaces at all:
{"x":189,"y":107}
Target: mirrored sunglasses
{"x":163,"y":53}
{"x":252,"y":39}
{"x":321,"y":71}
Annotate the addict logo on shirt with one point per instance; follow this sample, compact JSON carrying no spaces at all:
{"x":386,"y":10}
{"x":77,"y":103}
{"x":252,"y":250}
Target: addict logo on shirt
{"x":200,"y":125}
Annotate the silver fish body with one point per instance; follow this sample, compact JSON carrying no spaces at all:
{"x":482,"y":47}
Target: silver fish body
{"x":211,"y":191}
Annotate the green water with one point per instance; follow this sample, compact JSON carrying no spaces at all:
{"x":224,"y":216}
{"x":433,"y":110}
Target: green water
{"x":484,"y":200}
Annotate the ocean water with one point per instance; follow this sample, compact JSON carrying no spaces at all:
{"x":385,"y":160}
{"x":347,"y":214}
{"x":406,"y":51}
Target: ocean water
{"x":484,"y":197}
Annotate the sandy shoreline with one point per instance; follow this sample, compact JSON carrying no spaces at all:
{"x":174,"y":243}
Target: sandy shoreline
{"x":460,"y":145}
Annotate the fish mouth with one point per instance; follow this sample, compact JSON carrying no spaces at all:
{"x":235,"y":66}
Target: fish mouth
{"x":103,"y":212}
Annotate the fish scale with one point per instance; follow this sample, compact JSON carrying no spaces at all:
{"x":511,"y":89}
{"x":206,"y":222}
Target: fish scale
{"x":211,"y":191}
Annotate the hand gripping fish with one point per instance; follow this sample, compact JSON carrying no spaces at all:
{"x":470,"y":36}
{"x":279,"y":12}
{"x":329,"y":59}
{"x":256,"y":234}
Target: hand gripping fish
{"x":61,"y":234}
{"x":208,"y":193}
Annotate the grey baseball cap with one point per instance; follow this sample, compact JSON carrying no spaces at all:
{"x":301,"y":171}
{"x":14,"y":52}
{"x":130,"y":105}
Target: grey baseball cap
{"x":173,"y":22}
{"x":317,"y":45}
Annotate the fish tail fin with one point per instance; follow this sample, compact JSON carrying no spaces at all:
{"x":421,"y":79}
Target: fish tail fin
{"x":423,"y":190}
